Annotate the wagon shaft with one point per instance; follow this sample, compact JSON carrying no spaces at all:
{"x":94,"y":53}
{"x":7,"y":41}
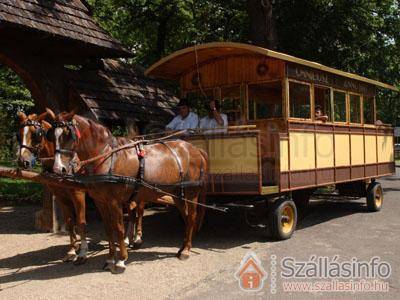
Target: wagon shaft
{"x":39,"y":178}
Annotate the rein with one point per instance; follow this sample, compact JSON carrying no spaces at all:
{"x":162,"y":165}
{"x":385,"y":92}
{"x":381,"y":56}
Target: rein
{"x":133,"y":144}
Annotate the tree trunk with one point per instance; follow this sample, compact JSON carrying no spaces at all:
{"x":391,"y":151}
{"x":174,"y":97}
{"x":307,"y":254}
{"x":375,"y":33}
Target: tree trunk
{"x":262,"y":24}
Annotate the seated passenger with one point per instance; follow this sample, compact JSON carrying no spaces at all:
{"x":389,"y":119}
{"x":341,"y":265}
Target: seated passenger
{"x":185,"y":119}
{"x":215,"y":122}
{"x":319,"y":115}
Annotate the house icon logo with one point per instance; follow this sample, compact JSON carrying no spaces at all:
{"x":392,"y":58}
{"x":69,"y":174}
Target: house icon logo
{"x":251,"y":274}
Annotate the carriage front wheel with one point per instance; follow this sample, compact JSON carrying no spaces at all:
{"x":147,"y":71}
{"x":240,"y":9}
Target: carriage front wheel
{"x":282,"y":219}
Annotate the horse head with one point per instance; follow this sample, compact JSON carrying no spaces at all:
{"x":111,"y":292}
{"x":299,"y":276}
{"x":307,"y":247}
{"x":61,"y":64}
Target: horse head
{"x":30,"y":138}
{"x":75,"y":138}
{"x":65,"y":135}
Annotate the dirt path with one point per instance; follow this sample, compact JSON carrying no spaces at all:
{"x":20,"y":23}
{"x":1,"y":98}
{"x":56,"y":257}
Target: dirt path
{"x":30,"y":265}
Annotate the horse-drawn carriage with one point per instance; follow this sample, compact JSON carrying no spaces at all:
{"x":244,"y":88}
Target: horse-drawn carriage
{"x":277,"y":147}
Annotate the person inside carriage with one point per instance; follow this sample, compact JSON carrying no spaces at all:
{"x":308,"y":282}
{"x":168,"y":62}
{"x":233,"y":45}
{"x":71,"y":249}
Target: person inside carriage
{"x":319,"y":115}
{"x":215,"y":121}
{"x":185,"y":119}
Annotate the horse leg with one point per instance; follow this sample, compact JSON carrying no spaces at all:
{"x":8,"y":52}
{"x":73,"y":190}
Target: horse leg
{"x":137,"y":242}
{"x":117,"y":219}
{"x":184,"y":251}
{"x":105,"y":215}
{"x":78,"y":199}
{"x":129,"y":233}
{"x":68,"y":215}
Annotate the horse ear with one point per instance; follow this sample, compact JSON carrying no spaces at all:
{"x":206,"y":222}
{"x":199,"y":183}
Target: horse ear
{"x":51,"y":113}
{"x":42,"y":116}
{"x":22,"y":116}
{"x":46,"y":125}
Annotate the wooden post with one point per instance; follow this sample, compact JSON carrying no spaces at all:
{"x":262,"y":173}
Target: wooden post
{"x":48,"y":219}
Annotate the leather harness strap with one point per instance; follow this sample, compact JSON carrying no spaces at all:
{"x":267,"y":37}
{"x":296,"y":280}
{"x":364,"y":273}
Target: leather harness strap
{"x":179,"y":163}
{"x":140,"y":176}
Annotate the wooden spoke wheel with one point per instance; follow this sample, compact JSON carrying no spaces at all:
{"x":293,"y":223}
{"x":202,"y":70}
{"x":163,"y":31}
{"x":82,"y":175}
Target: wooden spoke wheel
{"x":374,"y":197}
{"x":282,"y":219}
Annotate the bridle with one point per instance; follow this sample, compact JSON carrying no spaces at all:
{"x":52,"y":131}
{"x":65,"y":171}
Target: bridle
{"x":75,"y":134}
{"x":38,"y":135}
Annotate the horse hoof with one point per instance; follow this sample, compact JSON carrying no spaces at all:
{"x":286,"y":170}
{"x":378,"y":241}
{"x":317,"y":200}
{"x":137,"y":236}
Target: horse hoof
{"x":69,"y":258}
{"x":184,"y":255}
{"x":108,"y":265}
{"x":80,"y":260}
{"x":118,"y":268}
{"x":137,"y":244}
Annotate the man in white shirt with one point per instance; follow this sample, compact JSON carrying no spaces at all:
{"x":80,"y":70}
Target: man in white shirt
{"x":215,"y":122}
{"x":185,"y":119}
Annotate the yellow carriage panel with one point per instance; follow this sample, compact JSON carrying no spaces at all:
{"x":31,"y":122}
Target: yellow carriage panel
{"x":325,"y":151}
{"x":357,"y":149}
{"x":385,"y":149}
{"x":234,"y":155}
{"x":302,"y":151}
{"x":370,"y":149}
{"x":284,"y":155}
{"x":342,"y":150}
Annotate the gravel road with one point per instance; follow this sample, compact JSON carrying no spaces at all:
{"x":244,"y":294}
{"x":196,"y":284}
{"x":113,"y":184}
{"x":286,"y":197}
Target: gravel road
{"x":30,"y":265}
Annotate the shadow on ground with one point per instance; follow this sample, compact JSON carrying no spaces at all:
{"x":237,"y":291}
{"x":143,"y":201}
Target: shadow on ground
{"x":162,"y":228}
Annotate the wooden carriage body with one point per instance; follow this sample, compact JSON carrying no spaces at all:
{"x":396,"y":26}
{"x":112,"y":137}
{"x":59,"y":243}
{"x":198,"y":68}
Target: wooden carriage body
{"x":275,"y":142}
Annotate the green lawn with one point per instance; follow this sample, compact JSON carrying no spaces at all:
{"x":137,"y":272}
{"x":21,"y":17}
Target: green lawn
{"x":19,"y":191}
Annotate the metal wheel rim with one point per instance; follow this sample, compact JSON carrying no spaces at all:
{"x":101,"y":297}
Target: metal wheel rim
{"x":378,"y":197}
{"x":287,"y":220}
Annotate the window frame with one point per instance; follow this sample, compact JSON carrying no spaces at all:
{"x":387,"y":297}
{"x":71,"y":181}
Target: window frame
{"x":361,"y":116}
{"x":346,"y":93}
{"x":311,"y":91}
{"x":373,"y":110}
{"x":331,"y":102}
{"x":247,"y":102}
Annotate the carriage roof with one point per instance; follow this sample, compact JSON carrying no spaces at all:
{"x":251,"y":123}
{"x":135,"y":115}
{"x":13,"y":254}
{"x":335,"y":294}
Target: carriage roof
{"x":173,"y":66}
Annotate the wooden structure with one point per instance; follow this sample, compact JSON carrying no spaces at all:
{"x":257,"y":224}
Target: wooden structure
{"x":278,"y":93}
{"x":288,"y":146}
{"x":66,"y":61}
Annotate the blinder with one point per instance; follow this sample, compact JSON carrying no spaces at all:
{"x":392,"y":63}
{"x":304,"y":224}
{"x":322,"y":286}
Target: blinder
{"x":36,"y":136}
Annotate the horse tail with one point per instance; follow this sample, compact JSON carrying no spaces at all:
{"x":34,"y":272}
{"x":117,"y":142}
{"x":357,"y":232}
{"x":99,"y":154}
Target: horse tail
{"x":201,"y":210}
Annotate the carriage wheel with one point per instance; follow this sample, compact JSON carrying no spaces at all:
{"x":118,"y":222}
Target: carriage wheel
{"x":282,"y":219}
{"x":374,"y":197}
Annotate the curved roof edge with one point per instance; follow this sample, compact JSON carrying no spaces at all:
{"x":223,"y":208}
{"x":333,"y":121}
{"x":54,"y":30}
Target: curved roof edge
{"x":177,"y":56}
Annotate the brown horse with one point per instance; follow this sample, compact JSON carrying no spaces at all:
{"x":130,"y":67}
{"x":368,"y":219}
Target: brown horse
{"x":166,"y":164}
{"x":32,"y":146}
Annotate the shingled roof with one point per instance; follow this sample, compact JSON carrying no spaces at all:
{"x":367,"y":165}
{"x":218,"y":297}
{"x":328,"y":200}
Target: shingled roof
{"x":117,"y":91}
{"x":65,"y":19}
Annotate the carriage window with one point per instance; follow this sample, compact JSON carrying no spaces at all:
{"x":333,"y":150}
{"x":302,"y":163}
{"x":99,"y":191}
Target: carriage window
{"x":232,"y":104}
{"x":369,"y":113}
{"x":339,"y":102}
{"x":299,"y":100}
{"x":322,"y":96}
{"x":355,"y":108}
{"x":265,"y":101}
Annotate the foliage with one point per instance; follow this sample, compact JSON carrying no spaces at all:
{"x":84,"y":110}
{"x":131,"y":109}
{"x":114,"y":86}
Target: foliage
{"x":356,"y":36}
{"x":14,"y":97}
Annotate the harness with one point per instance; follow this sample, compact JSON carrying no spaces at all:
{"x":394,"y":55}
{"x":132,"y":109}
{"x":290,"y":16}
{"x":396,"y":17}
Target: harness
{"x":38,"y":135}
{"x":134,"y":182}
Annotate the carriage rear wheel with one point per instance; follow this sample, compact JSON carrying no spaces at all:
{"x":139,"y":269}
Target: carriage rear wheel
{"x":282,"y":219}
{"x":374,"y":197}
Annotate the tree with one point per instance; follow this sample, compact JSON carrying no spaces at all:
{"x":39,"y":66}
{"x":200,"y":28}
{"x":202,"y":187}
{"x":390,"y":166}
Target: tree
{"x":13,"y":98}
{"x":262,"y":23}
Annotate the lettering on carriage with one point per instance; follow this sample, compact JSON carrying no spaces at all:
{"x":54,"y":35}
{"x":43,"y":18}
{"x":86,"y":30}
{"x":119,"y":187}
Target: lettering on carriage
{"x":309,"y":75}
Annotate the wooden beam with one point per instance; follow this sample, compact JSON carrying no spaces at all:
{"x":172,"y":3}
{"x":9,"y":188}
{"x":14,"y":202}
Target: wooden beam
{"x":40,"y":178}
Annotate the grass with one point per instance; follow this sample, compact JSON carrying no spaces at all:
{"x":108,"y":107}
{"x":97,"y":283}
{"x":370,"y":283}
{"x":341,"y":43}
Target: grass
{"x":19,"y":191}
